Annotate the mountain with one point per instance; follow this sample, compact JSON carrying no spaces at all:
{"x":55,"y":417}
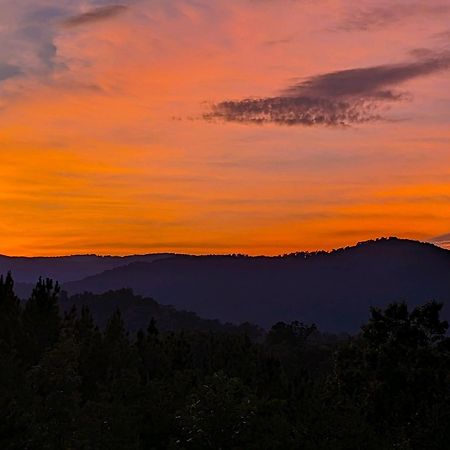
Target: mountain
{"x":332,"y":289}
{"x":67,"y":268}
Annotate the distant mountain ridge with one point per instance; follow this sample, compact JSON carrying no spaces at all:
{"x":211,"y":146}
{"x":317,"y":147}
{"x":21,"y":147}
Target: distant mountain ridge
{"x":332,"y":289}
{"x":67,"y":268}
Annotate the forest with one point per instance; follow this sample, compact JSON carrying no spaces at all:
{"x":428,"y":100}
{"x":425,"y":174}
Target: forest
{"x":69,"y":383}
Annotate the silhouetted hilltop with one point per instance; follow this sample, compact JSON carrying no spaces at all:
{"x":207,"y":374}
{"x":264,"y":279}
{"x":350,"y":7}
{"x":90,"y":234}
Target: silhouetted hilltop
{"x":332,"y":289}
{"x":67,"y":268}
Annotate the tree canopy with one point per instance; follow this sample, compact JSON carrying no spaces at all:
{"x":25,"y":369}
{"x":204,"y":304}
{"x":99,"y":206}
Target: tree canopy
{"x":66,"y":383}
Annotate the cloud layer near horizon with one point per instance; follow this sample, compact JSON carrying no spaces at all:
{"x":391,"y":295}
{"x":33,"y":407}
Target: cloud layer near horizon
{"x":442,"y":240}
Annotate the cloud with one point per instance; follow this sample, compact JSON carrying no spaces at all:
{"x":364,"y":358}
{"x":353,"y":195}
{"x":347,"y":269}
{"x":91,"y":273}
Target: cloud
{"x":292,"y":111}
{"x":28,"y":37}
{"x":443,"y":240}
{"x":274,"y":42}
{"x":95,"y":15}
{"x":385,"y":15}
{"x":374,"y":82}
{"x":8,"y":71}
{"x":336,"y":98}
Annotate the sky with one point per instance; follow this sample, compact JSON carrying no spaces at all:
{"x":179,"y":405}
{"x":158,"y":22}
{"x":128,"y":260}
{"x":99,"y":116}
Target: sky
{"x":222,"y":126}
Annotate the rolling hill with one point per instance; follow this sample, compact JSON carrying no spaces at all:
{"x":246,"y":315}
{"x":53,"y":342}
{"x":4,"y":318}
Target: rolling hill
{"x":67,"y":268}
{"x":332,"y":289}
{"x":137,"y":312}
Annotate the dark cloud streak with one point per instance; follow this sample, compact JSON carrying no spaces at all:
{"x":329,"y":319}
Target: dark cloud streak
{"x":95,"y":15}
{"x":292,"y":111}
{"x":369,"y":81}
{"x":337,"y":98}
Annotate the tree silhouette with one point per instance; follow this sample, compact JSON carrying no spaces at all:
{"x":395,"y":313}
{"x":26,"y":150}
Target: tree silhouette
{"x":397,"y":371}
{"x":41,"y":317}
{"x":66,"y":383}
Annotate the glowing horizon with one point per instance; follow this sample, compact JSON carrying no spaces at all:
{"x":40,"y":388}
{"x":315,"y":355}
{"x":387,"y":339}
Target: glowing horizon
{"x":443,"y":245}
{"x":194,"y":126}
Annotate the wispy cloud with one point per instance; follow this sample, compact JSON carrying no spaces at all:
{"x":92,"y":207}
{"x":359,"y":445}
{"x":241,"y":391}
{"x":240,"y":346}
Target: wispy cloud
{"x":373,"y":82}
{"x":368,"y":18}
{"x":443,"y":240}
{"x":8,"y":71}
{"x":30,"y":37}
{"x":292,"y":111}
{"x":95,"y":15}
{"x":274,"y":42}
{"x":335,"y":98}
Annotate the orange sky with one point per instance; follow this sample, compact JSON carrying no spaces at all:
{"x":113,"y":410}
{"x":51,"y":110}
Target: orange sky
{"x":105,"y":147}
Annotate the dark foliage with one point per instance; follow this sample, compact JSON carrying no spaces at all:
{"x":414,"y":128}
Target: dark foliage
{"x":137,"y":312}
{"x":67,"y":384}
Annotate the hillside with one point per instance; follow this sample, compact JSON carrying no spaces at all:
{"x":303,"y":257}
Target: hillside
{"x":333,"y":290}
{"x":137,"y":312}
{"x":67,"y":268}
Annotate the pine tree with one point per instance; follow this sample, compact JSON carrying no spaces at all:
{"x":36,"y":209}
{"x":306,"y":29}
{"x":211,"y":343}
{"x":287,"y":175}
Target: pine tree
{"x":41,"y":317}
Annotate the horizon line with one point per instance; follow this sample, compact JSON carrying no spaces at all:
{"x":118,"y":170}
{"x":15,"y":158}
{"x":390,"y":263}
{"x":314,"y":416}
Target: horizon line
{"x":174,"y":253}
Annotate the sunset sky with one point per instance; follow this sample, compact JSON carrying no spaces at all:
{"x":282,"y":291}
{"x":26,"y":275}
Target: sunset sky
{"x":218,"y":126}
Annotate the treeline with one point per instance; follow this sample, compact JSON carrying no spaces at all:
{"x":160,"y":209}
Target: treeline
{"x":66,"y":384}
